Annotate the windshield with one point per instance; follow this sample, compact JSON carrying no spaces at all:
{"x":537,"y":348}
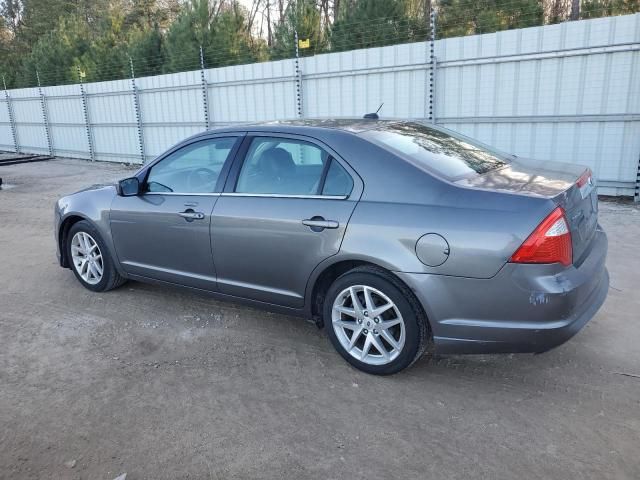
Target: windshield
{"x":444,"y":153}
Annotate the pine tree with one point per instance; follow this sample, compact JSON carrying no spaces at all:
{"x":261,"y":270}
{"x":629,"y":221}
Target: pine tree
{"x":305,"y":17}
{"x":375,"y":23}
{"x":470,"y":17}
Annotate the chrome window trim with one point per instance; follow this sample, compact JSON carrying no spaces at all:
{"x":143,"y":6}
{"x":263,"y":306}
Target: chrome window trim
{"x":185,"y":143}
{"x":183,"y":194}
{"x":237,"y":194}
{"x":279,"y":195}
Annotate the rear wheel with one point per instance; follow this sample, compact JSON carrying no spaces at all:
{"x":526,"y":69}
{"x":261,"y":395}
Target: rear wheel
{"x":90,"y":260}
{"x":374,"y":321}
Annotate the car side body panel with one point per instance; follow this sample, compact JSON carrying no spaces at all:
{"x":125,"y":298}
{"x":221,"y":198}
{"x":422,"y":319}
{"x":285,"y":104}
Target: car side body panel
{"x":481,"y":239}
{"x":524,"y":308}
{"x":92,"y":204}
{"x":153,"y":240}
{"x":475,"y":300}
{"x":263,"y":251}
{"x":261,"y":247}
{"x":400,"y":203}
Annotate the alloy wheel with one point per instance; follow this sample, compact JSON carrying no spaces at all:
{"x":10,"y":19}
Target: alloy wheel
{"x":368,"y":325}
{"x":87,"y":258}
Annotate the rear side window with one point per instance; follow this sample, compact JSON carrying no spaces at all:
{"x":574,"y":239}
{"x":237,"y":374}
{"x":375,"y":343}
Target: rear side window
{"x":445,"y":154}
{"x":287,"y":166}
{"x":338,"y":181}
{"x":282,"y":166}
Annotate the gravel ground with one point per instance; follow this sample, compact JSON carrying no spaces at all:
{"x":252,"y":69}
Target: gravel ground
{"x":164,"y":384}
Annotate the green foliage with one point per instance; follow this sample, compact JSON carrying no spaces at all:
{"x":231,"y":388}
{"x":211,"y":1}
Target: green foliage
{"x":146,"y":50}
{"x":183,"y":40}
{"x":376,"y":23}
{"x":606,"y":8}
{"x":103,"y":37}
{"x":304,"y":16}
{"x":466,"y":17}
{"x":231,"y":43}
{"x":56,"y":54}
{"x":107,"y":58}
{"x":221,"y":30}
{"x":9,"y":52}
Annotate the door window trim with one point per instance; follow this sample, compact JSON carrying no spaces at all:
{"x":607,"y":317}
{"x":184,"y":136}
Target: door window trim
{"x":241,"y":156}
{"x":143,"y":173}
{"x":282,"y":195}
{"x":211,"y":194}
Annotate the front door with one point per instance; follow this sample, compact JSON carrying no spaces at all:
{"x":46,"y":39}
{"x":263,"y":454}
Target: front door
{"x":283,"y":212}
{"x":164,"y":233}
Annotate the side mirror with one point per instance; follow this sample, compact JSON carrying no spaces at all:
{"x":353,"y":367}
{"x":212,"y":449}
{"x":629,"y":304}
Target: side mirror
{"x":129,"y":187}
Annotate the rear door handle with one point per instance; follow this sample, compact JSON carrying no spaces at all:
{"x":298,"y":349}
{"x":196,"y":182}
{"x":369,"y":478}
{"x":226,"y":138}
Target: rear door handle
{"x":191,"y":215}
{"x":318,"y":223}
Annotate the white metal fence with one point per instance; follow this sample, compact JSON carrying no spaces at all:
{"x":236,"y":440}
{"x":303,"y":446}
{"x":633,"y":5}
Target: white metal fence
{"x":568,"y":92}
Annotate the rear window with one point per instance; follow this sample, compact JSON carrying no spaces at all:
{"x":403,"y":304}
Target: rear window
{"x":443,"y":153}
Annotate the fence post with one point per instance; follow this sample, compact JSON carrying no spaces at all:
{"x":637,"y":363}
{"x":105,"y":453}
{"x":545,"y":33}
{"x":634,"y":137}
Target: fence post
{"x":14,"y":132}
{"x":205,"y":91}
{"x":432,"y":68}
{"x":136,"y":106}
{"x":298,"y":78}
{"x":45,"y":115}
{"x":85,"y":111}
{"x":636,"y":197}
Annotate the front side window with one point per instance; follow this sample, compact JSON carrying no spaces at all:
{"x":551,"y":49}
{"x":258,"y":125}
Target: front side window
{"x":282,"y":166}
{"x":194,"y":168}
{"x":444,"y":153}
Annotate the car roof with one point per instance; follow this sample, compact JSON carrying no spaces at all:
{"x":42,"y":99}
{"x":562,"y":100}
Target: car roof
{"x":308,"y":126}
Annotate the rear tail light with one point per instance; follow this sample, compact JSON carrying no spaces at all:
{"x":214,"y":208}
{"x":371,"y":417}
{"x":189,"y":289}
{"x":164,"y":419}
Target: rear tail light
{"x":584,"y":178}
{"x":550,"y":242}
{"x":585,"y":183}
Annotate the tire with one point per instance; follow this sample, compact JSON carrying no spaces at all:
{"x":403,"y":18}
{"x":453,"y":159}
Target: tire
{"x":383,"y":289}
{"x":110,"y":277}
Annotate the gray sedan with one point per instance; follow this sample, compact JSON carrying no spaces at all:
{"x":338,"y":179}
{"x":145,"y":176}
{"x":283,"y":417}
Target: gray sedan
{"x":397,"y":237}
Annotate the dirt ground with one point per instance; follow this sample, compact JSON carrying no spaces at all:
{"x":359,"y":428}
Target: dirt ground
{"x":163,"y":384}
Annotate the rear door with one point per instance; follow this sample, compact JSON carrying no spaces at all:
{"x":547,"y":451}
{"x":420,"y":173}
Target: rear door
{"x":284,"y":209}
{"x":164,"y":233}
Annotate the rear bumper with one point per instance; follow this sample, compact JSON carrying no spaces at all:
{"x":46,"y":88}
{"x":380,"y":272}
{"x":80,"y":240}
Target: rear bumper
{"x":524,"y":308}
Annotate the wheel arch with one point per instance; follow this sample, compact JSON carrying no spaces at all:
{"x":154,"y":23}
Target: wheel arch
{"x":63,"y":232}
{"x":326,"y":274}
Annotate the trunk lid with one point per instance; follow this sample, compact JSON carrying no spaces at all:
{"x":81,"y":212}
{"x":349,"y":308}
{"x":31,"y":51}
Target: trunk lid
{"x":570,"y":186}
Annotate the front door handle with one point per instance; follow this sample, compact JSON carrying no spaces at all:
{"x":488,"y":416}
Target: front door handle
{"x":190,"y":215}
{"x":318,"y":224}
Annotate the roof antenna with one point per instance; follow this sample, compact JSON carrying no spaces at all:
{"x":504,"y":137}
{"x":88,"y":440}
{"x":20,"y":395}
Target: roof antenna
{"x":374,"y":115}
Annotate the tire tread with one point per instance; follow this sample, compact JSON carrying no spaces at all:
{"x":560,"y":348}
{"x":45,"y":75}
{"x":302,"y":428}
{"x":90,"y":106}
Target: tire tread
{"x":424,"y":331}
{"x":114,"y":279}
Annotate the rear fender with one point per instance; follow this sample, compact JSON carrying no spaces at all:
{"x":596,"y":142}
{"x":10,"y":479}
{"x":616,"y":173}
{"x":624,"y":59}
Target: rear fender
{"x":482,"y":231}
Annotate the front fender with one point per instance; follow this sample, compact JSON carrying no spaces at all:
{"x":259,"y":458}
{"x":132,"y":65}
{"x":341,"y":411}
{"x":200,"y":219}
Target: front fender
{"x":93,"y":205}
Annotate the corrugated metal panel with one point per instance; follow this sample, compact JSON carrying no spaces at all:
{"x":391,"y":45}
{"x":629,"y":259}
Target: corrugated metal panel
{"x":171,"y":108}
{"x":353,"y":83}
{"x":252,"y":93}
{"x":66,"y":119}
{"x":27,"y":114}
{"x":113,"y":121}
{"x":568,"y":92}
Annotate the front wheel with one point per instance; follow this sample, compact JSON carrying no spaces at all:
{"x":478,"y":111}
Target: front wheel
{"x":90,"y":260}
{"x":375,"y":321}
